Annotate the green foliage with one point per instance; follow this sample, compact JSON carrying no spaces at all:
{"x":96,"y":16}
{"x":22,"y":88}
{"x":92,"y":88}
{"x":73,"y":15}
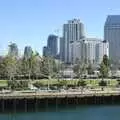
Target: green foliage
{"x":14,"y":84}
{"x":90,"y":69}
{"x":104,"y":67}
{"x":10,"y":66}
{"x":33,"y":67}
{"x":106,"y":60}
{"x":102,"y":83}
{"x":62,"y":83}
{"x":81,"y":83}
{"x":44,"y":67}
{"x":76,"y":69}
{"x":79,"y":69}
{"x":103,"y":70}
{"x":38,"y":84}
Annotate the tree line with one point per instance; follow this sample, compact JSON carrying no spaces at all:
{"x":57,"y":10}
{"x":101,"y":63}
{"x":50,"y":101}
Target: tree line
{"x":35,"y":67}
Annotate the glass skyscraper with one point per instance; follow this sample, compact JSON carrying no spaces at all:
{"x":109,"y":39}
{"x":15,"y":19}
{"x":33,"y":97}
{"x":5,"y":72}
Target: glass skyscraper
{"x":27,"y":52}
{"x":112,"y":35}
{"x":52,"y":45}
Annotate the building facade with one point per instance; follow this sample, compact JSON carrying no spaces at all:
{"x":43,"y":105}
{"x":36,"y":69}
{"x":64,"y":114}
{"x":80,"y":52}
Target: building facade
{"x":27,"y":52}
{"x":13,"y":50}
{"x":102,"y":49}
{"x":72,"y":31}
{"x":75,"y":51}
{"x":62,"y":49}
{"x":45,"y":51}
{"x":52,"y":45}
{"x":112,"y":35}
{"x":84,"y":50}
{"x":91,"y":49}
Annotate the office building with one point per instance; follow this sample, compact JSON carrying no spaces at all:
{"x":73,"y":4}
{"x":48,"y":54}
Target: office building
{"x":52,"y":45}
{"x":62,"y":49}
{"x":112,"y":35}
{"x":45,"y":51}
{"x":13,"y":50}
{"x":72,"y":31}
{"x":27,"y":52}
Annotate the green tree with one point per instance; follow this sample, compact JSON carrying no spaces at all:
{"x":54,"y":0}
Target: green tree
{"x":102,"y":83}
{"x":81,"y":84}
{"x":36,"y":66}
{"x":62,"y":83}
{"x":38,"y":84}
{"x":44,"y":67}
{"x":28,"y":65}
{"x":79,"y":69}
{"x":2,"y":69}
{"x":103,"y":70}
{"x":90,"y":69}
{"x":106,"y":60}
{"x":10,"y":64}
{"x":17,"y":85}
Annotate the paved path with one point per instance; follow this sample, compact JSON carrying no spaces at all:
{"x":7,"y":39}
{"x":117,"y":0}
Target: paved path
{"x":19,"y":95}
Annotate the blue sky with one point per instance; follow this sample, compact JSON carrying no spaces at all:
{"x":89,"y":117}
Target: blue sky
{"x":29,"y":22}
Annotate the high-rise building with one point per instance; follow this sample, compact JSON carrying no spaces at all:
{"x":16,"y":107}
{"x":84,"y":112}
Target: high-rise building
{"x":52,"y":45}
{"x":45,"y":51}
{"x":13,"y":50}
{"x":72,"y":31}
{"x":27,"y":52}
{"x":62,"y":49}
{"x":112,"y":35}
{"x":102,"y":49}
{"x":75,"y":51}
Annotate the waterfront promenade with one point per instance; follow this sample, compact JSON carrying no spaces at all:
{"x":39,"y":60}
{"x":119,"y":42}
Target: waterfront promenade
{"x":68,"y":94}
{"x":30,"y":100}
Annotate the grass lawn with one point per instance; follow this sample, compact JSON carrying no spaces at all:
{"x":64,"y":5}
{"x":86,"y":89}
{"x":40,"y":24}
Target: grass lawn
{"x":3,"y":83}
{"x":91,"y":82}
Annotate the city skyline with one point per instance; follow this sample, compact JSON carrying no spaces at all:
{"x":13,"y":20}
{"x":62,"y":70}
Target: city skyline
{"x":28,"y":23}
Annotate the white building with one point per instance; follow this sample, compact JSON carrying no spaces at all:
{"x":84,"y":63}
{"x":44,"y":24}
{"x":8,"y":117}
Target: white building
{"x":84,"y":50}
{"x":75,"y":51}
{"x":102,"y":49}
{"x":91,"y":49}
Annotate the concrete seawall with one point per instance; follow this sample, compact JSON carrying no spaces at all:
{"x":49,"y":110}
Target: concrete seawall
{"x":35,"y":101}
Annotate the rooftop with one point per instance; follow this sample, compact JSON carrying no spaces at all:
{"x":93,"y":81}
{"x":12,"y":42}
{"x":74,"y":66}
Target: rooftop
{"x":113,"y":19}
